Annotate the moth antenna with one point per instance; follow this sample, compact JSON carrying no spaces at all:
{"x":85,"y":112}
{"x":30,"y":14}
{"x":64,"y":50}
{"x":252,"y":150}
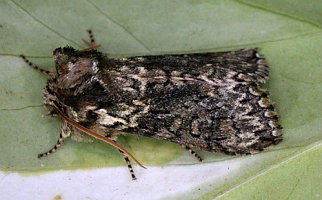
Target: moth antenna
{"x":91,"y":36}
{"x":92,"y":44}
{"x":36,"y":67}
{"x":95,"y":135}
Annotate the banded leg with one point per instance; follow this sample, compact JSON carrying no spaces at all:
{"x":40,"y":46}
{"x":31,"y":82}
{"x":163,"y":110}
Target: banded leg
{"x":64,"y":133}
{"x":91,"y":36}
{"x":92,"y":44}
{"x":128,"y":162}
{"x":36,"y":67}
{"x":192,"y":152}
{"x":129,"y":166}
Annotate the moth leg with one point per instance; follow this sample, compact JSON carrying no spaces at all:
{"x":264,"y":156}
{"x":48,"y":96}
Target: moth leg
{"x":64,"y":133}
{"x":92,"y":44}
{"x":192,"y":152}
{"x":128,"y":162}
{"x":36,"y":67}
{"x":129,"y":166}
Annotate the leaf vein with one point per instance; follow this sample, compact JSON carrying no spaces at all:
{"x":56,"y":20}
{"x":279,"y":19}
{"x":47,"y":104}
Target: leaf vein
{"x":269,"y":169}
{"x":277,"y":13}
{"x":109,"y":18}
{"x":43,"y":24}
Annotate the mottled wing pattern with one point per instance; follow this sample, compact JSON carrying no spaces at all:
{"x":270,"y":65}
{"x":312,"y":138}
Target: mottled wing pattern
{"x":211,"y":101}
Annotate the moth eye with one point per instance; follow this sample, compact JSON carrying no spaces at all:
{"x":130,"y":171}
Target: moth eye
{"x":73,"y":60}
{"x":58,"y":69}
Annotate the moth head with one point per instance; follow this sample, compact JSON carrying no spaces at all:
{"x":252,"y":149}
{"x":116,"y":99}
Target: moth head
{"x":73,"y":66}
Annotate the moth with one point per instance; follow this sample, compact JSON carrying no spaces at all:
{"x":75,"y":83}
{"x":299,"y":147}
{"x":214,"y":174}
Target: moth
{"x":208,"y":101}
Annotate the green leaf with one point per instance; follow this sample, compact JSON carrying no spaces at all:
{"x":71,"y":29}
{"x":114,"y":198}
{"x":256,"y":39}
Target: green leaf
{"x":287,"y":32}
{"x":297,"y":177}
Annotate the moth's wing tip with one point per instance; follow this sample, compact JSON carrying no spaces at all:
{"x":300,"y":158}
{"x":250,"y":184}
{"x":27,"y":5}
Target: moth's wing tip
{"x":257,"y":69}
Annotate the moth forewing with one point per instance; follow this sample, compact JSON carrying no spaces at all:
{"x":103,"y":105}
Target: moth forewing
{"x":212,"y":101}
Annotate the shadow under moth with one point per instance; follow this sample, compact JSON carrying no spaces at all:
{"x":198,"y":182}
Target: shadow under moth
{"x":209,"y":101}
